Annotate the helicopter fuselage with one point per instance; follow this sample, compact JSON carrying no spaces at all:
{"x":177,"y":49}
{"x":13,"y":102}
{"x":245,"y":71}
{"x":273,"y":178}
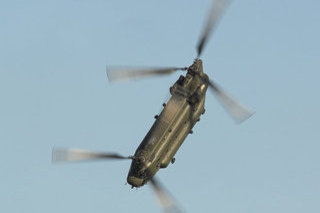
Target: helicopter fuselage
{"x":171,"y":127}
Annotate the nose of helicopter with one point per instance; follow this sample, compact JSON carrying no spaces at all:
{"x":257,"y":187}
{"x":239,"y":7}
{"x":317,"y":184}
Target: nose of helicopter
{"x":135,"y":181}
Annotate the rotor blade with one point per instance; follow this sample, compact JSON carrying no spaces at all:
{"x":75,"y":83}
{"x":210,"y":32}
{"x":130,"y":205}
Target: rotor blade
{"x":217,"y":9}
{"x":238,"y":112}
{"x":116,"y":74}
{"x":60,"y":155}
{"x":166,"y":201}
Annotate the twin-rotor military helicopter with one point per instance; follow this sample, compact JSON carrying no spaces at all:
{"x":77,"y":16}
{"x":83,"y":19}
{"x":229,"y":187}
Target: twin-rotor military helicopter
{"x":174,"y":123}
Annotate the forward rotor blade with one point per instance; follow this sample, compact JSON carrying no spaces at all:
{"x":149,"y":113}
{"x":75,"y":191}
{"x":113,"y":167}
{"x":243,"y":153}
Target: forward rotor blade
{"x":60,"y":155}
{"x":116,"y":74}
{"x":166,"y":201}
{"x":238,"y":112}
{"x":217,"y":9}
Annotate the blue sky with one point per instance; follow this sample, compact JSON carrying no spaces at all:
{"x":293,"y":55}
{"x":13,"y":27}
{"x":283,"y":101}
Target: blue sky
{"x":54,"y":92}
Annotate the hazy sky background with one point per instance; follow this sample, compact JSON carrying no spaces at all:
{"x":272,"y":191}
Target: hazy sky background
{"x":54,"y":92}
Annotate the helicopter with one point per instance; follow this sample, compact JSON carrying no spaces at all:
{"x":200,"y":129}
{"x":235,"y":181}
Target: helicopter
{"x":174,"y":123}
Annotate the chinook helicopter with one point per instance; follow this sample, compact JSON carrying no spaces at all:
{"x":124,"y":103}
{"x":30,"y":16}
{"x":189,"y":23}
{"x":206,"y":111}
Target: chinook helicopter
{"x":173,"y":124}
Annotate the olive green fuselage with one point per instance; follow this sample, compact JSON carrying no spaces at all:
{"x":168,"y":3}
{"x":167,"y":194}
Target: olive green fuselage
{"x":171,"y":127}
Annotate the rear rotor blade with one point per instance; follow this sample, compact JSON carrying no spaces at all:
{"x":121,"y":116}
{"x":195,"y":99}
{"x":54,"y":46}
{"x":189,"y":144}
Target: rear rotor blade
{"x":217,"y":9}
{"x":238,"y":112}
{"x":116,"y":74}
{"x":166,"y":201}
{"x":60,"y":155}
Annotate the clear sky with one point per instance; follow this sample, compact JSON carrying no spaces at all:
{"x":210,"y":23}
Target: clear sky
{"x":54,"y":92}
